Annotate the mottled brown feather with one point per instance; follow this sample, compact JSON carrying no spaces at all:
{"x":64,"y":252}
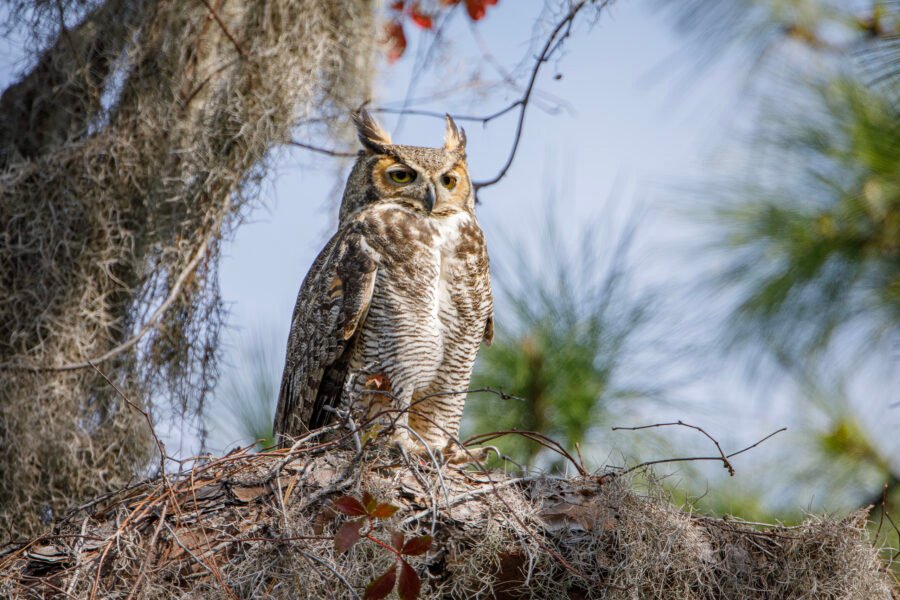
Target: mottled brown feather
{"x":330,"y":308}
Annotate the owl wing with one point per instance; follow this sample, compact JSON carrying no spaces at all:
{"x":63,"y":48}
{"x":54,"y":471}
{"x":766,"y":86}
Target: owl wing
{"x":330,"y":310}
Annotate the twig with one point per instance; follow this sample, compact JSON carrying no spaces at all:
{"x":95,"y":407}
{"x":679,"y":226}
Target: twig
{"x":551,"y":551}
{"x":214,"y":572}
{"x":534,"y":436}
{"x":462,"y":497}
{"x":553,"y":43}
{"x":700,"y":458}
{"x":884,"y":489}
{"x":150,"y":550}
{"x":79,"y":544}
{"x":483,"y":119}
{"x":320,"y":150}
{"x":328,"y":566}
{"x":159,"y":444}
{"x":725,"y":462}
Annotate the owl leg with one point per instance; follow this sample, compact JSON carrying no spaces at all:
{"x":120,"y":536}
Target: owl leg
{"x":436,"y":413}
{"x":393,"y":397}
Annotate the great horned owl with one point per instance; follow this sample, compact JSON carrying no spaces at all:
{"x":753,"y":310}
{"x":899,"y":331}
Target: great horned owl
{"x":391,"y":315}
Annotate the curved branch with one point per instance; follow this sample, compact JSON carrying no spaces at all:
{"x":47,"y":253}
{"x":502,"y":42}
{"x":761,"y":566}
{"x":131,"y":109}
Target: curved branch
{"x":562,"y":30}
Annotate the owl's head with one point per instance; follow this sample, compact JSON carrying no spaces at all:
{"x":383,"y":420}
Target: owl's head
{"x":432,"y":180}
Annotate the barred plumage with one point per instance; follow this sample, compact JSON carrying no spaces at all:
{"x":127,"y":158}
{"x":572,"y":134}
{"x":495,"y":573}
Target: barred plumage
{"x":392,"y":313}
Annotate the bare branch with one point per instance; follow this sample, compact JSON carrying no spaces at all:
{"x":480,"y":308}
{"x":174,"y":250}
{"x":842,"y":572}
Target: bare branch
{"x":554,"y":41}
{"x":224,"y":27}
{"x":723,"y":459}
{"x":320,"y":150}
{"x":159,"y":445}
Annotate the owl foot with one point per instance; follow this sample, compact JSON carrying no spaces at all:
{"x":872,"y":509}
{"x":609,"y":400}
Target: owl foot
{"x":406,"y":445}
{"x":467,"y":456}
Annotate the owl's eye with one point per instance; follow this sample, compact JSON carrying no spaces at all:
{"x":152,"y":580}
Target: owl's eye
{"x":402,"y":176}
{"x":448,"y":181}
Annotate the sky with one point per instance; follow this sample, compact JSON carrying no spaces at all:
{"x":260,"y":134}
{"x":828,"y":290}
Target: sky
{"x":636,"y":123}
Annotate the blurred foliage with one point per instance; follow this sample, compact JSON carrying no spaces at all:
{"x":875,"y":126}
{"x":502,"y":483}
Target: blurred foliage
{"x":760,"y":28}
{"x":814,"y":241}
{"x":566,"y":329}
{"x":245,"y":398}
{"x":810,"y":237}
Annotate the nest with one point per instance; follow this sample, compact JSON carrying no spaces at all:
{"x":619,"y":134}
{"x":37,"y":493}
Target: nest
{"x":262,"y":525}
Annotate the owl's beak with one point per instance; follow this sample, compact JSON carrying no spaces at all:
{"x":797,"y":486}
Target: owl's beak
{"x":429,"y":197}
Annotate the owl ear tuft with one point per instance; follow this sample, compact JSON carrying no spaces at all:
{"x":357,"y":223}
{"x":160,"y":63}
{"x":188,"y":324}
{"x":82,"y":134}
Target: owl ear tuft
{"x":454,"y":137}
{"x":370,"y":133}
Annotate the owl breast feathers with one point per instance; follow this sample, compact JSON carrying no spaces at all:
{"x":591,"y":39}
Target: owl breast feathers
{"x":392,"y":313}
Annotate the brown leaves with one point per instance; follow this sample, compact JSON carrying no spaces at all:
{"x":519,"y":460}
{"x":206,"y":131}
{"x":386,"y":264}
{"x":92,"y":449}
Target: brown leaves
{"x":416,"y":546}
{"x":475,"y":8}
{"x":410,"y":584}
{"x":384,"y":511}
{"x":370,"y":509}
{"x":395,"y":40}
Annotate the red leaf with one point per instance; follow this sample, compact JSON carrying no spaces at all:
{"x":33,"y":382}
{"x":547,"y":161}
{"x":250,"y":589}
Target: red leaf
{"x":421,"y":19}
{"x":347,"y":535}
{"x":382,"y":586}
{"x":397,"y":540}
{"x":369,"y":502}
{"x":449,"y":2}
{"x":398,"y":6}
{"x":395,"y":39}
{"x":416,"y":546}
{"x":410,"y":584}
{"x":350,"y":506}
{"x":384,"y":510}
{"x":476,"y":9}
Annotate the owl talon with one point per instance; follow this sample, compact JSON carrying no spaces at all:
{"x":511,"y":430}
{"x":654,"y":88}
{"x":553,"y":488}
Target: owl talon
{"x":469,"y":456}
{"x":404,"y":453}
{"x":406,"y":446}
